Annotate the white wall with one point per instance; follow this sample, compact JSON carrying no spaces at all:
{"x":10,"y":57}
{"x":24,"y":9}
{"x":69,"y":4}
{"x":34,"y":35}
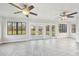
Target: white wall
{"x":10,"y":38}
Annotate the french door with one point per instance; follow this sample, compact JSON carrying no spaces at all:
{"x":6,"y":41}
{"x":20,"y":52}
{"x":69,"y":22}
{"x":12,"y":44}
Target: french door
{"x":50,"y":31}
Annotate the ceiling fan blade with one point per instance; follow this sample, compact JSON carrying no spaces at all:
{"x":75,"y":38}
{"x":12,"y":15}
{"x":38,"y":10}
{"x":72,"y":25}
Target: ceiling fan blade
{"x":63,"y":14}
{"x":70,"y":16}
{"x":17,"y":12}
{"x":31,"y":7}
{"x":33,"y":13}
{"x":15,"y":6}
{"x":72,"y":13}
{"x":25,"y":6}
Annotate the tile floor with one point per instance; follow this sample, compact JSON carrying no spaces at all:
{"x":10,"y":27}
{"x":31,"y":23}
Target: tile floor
{"x":49,"y":47}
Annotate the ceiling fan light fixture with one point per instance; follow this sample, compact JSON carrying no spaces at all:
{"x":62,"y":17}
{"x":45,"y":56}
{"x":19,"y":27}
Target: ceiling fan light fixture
{"x":25,"y":11}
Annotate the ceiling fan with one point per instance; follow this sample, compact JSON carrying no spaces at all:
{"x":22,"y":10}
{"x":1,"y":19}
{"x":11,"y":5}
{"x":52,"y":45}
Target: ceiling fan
{"x":26,"y":10}
{"x":66,"y":15}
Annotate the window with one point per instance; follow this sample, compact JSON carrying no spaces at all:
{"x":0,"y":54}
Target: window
{"x":16,"y":28}
{"x":62,"y":28}
{"x":53,"y":30}
{"x":40,"y":30}
{"x":73,"y":28}
{"x":47,"y":30}
{"x":10,"y":28}
{"x":23,"y":28}
{"x":33,"y":30}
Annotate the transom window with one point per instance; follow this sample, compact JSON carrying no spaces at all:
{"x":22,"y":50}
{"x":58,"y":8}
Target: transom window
{"x":16,"y":28}
{"x":62,"y":28}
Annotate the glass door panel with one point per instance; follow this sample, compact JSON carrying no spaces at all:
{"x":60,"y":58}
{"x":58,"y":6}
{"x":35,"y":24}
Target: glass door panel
{"x":53,"y":30}
{"x":33,"y":30}
{"x":19,"y":28}
{"x":73,"y":29}
{"x":14,"y":28}
{"x":23,"y":28}
{"x":47,"y":30}
{"x":40,"y":29}
{"x":9,"y":28}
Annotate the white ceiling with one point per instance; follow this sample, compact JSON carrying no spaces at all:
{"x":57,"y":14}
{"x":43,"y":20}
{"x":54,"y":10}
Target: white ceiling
{"x":47,"y":11}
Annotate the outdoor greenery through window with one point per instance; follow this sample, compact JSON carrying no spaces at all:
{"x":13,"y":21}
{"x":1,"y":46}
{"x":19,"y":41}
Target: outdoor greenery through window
{"x":16,"y":28}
